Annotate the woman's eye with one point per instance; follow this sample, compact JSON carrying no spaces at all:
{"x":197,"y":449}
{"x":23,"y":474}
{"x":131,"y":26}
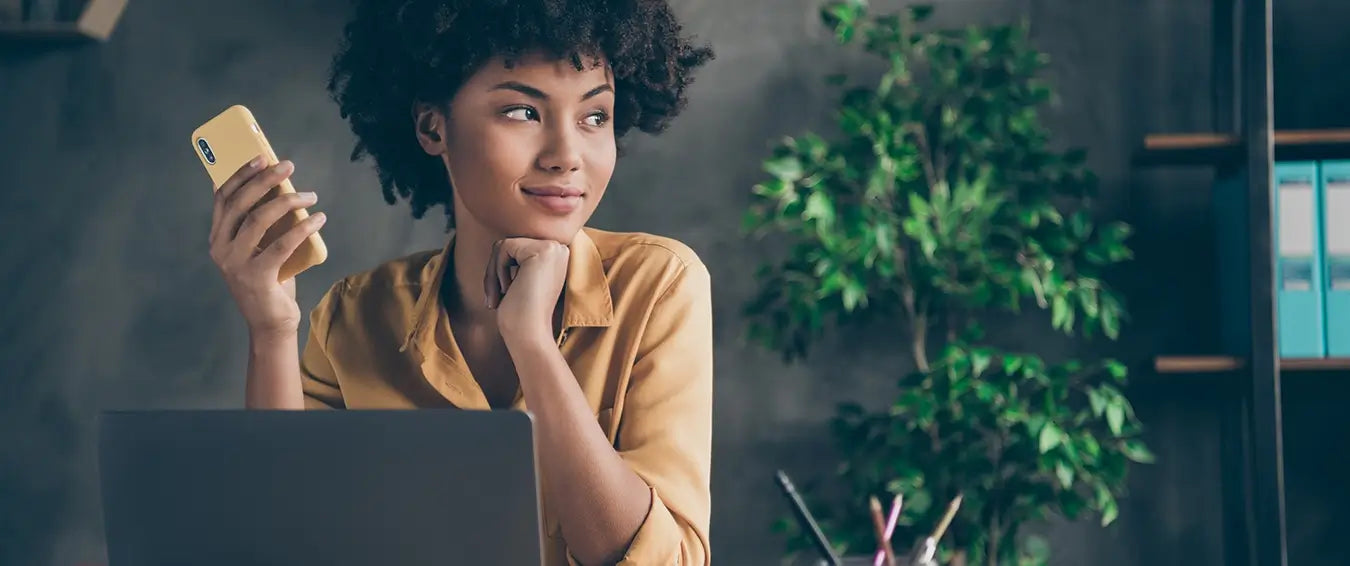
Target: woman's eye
{"x":522,"y":113}
{"x":597,"y":120}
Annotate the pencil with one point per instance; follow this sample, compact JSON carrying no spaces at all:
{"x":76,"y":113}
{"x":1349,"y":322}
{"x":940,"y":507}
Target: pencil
{"x":804,"y":517}
{"x":879,"y":524}
{"x":947,"y":518}
{"x":880,"y":557}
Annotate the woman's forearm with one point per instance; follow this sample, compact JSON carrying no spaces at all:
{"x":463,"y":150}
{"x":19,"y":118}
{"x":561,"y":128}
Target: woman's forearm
{"x":273,"y":373}
{"x":600,"y":501}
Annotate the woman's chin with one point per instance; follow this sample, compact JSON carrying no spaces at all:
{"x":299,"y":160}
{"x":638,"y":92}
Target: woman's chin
{"x":558,"y":231}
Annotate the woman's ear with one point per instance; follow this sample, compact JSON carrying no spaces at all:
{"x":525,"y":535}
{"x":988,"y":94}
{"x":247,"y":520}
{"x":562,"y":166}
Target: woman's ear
{"x":429,"y":122}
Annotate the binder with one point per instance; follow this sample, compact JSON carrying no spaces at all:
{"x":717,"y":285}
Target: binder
{"x":1298,"y":260}
{"x":1336,"y":255}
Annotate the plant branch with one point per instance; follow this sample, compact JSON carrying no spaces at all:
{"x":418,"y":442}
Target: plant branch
{"x":918,"y":316}
{"x":925,"y":153}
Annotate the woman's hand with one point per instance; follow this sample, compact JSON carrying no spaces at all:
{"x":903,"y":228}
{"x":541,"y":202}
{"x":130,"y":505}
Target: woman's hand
{"x":523,"y":282}
{"x":238,"y":226}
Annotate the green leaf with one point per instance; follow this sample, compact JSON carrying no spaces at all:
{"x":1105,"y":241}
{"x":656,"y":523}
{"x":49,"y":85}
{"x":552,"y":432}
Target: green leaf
{"x":1097,"y":400}
{"x":1087,"y":298}
{"x":979,"y":361}
{"x":1135,"y":450}
{"x":1011,"y":364}
{"x":786,"y":168}
{"x":928,"y":245}
{"x":1050,"y":437}
{"x":1115,"y":416}
{"x":1103,"y":494}
{"x":985,"y":391}
{"x":819,"y":208}
{"x":1109,"y":513}
{"x":1091,"y":447}
{"x":772,"y":189}
{"x":1116,"y":369}
{"x":1080,"y":224}
{"x":918,"y":206}
{"x":1035,"y":423}
{"x":1064,"y":473}
{"x":1110,"y":317}
{"x":855,"y":294}
{"x":1060,"y":316}
{"x":1029,"y":218}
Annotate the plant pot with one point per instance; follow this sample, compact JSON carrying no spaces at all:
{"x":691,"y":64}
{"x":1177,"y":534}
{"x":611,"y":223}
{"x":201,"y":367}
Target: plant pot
{"x":844,"y":561}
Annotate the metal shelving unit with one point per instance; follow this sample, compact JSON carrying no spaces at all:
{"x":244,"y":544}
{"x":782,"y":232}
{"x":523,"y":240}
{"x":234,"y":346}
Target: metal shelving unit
{"x":1244,"y":144}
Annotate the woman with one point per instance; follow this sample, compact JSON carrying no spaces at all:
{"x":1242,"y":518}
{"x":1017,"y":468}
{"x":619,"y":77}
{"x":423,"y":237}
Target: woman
{"x":507,"y":112}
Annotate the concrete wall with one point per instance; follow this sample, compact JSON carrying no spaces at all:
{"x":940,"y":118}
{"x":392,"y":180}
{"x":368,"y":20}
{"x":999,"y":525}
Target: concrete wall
{"x":110,"y":300}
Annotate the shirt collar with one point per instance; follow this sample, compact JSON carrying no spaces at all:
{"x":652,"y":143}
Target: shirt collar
{"x":586,"y":298}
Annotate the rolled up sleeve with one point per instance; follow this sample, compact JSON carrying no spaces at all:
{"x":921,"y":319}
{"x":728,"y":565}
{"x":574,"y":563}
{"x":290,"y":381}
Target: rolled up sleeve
{"x":318,"y":379}
{"x":665,"y":431}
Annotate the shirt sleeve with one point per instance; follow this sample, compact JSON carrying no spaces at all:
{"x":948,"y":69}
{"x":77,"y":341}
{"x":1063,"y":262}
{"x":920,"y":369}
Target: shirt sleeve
{"x":318,"y":379}
{"x":665,"y":430}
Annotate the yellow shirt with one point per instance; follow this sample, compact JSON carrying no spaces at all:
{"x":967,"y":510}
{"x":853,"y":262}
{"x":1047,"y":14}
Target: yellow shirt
{"x":636,"y":331}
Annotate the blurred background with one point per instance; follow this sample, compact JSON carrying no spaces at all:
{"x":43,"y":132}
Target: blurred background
{"x":109,"y":300}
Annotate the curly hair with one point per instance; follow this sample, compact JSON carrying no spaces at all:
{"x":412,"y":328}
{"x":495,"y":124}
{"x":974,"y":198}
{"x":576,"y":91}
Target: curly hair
{"x":395,"y":53}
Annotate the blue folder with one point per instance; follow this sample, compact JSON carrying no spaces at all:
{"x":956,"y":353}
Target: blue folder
{"x":1336,"y":255}
{"x":1297,"y":243}
{"x":1298,"y":260}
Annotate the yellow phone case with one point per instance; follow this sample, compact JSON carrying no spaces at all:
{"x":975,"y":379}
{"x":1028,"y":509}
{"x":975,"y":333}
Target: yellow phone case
{"x":224,"y":144}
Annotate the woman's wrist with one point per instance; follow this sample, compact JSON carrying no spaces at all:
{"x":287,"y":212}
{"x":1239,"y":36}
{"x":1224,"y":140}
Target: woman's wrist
{"x":262,"y":342}
{"x":273,"y":380}
{"x":528,"y":341}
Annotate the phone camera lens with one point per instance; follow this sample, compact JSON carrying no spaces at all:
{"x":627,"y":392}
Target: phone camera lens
{"x":206,"y":151}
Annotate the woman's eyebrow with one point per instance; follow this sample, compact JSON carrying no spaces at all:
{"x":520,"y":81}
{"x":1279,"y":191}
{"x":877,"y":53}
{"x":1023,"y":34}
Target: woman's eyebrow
{"x":535,"y":93}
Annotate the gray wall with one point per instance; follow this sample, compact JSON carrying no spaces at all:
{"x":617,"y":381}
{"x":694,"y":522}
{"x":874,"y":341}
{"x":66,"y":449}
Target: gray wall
{"x":112,"y":302}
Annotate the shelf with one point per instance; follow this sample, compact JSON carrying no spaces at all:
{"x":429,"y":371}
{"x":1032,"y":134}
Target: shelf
{"x":1212,"y":148}
{"x":1216,"y":364}
{"x":96,"y":22}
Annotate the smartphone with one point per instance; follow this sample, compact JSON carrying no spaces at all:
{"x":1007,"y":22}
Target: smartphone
{"x":228,"y":141}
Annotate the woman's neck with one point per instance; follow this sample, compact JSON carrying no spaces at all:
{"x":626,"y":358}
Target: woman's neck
{"x":470,"y":255}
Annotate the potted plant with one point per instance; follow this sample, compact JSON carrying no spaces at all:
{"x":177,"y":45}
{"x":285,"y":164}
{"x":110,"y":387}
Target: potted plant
{"x":943,"y":202}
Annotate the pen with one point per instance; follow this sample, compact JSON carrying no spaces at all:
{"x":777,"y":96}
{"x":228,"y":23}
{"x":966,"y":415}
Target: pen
{"x":804,"y":517}
{"x":880,"y":557}
{"x":879,"y":524}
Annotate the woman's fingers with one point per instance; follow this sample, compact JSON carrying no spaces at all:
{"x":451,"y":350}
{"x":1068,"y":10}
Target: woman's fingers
{"x":222,"y":194}
{"x":276,"y":254}
{"x":258,"y":222}
{"x":244,"y":199}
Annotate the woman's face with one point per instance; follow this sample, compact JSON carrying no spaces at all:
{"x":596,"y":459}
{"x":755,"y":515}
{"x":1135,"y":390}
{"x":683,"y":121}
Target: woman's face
{"x":529,"y":149}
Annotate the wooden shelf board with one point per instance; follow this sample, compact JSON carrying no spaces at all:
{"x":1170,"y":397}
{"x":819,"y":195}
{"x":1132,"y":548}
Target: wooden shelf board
{"x":1216,"y":364}
{"x":97,"y":22}
{"x":1215,"y":148}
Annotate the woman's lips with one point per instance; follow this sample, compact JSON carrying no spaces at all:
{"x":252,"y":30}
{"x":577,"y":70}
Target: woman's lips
{"x":555,"y":199}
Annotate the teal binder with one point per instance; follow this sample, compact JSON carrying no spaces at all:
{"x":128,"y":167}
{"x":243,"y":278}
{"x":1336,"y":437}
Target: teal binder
{"x":1336,"y":255}
{"x":1298,"y":260}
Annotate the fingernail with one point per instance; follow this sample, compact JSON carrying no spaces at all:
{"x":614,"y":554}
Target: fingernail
{"x":320,"y":217}
{"x":285,"y":167}
{"x":308,"y":195}
{"x":256,"y":163}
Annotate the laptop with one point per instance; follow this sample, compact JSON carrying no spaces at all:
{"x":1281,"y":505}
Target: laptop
{"x":237,"y":487}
